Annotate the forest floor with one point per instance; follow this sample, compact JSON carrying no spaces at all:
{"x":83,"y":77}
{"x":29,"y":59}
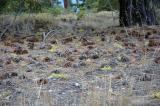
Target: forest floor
{"x":82,"y":66}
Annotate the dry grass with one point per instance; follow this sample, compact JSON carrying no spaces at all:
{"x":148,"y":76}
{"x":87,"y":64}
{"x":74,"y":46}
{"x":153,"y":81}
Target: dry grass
{"x":66,"y":17}
{"x":24,"y":18}
{"x":102,"y":19}
{"x":27,"y":23}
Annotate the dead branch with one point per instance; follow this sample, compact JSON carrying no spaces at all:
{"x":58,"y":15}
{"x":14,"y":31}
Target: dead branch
{"x":45,"y":35}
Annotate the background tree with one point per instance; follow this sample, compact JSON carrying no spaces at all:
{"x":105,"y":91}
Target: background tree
{"x":2,"y":4}
{"x":67,"y":3}
{"x":108,"y":5}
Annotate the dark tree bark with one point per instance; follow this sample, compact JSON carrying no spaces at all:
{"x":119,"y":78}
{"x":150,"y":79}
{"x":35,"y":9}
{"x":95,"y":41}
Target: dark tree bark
{"x":66,"y":4}
{"x":134,"y":12}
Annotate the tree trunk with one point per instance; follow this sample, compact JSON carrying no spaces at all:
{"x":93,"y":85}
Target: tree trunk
{"x":66,"y":4}
{"x":134,"y":12}
{"x":77,"y":3}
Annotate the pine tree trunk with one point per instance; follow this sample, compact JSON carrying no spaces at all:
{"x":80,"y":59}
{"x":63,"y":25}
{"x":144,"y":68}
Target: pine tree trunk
{"x":65,"y":4}
{"x":134,"y":12}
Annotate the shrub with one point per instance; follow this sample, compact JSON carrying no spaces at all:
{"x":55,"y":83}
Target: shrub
{"x":53,"y":10}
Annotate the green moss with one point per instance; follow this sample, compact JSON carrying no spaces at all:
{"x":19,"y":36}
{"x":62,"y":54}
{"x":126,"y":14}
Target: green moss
{"x":59,"y":76}
{"x":5,"y":93}
{"x":106,"y":68}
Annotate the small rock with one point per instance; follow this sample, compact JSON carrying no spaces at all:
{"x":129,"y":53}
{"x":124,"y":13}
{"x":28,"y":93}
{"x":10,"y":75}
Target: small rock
{"x":76,"y":84}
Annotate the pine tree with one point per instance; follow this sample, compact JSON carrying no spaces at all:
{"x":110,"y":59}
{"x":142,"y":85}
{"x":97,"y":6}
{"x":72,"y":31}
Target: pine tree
{"x":140,"y":12}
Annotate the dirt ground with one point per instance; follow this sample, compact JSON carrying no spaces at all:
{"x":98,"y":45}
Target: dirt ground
{"x":82,"y":66}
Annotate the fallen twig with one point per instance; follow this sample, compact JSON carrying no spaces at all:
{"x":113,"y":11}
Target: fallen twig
{"x":45,"y":35}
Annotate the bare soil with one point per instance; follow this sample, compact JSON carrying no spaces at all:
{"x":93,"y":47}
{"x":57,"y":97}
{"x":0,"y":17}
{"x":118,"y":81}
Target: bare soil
{"x":82,"y":67}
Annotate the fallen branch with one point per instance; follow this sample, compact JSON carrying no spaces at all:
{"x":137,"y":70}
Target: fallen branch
{"x":45,"y":35}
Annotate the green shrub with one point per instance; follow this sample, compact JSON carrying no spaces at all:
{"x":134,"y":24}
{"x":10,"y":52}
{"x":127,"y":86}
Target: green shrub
{"x":108,"y":5}
{"x":53,"y":10}
{"x":81,"y":14}
{"x":11,"y":6}
{"x":101,"y":5}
